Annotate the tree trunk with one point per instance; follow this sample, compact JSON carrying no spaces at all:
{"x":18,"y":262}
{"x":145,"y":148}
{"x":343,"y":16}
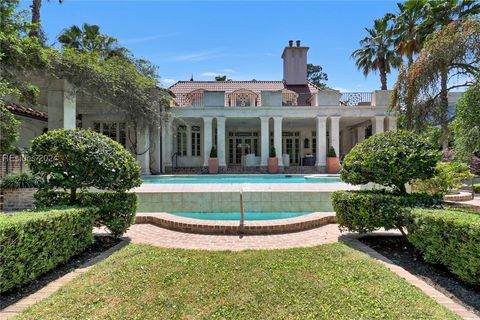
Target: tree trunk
{"x":383,"y":77}
{"x":444,"y":107}
{"x":35,"y":31}
{"x":73,"y":195}
{"x":409,"y":104}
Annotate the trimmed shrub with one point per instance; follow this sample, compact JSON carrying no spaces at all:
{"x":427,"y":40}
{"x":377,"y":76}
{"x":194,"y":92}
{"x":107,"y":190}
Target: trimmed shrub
{"x":34,"y":242}
{"x":476,"y":188}
{"x":448,"y":237}
{"x":391,"y":159}
{"x":272,"y":153}
{"x":331,"y":152}
{"x":20,"y":181}
{"x":367,"y":211}
{"x":79,"y":159}
{"x":213,"y":152}
{"x":449,"y":176}
{"x":116,"y":210}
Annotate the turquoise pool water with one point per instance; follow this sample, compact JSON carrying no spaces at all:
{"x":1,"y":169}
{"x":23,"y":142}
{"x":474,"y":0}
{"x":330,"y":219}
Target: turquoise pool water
{"x":236,"y":215}
{"x":227,"y":178}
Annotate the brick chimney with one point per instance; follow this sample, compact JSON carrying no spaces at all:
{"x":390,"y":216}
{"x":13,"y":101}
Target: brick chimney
{"x":295,"y":64}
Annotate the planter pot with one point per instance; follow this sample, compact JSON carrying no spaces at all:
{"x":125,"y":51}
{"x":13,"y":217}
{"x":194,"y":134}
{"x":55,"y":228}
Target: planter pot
{"x":272,"y":165}
{"x":212,"y":165}
{"x":333,"y":165}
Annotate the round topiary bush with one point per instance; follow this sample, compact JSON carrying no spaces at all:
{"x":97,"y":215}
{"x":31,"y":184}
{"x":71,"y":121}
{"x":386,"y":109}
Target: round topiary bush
{"x":79,"y":159}
{"x":391,"y":159}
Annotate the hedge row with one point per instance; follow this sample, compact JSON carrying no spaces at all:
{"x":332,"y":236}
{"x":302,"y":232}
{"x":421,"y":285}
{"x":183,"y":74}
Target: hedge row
{"x":34,"y":242}
{"x":116,"y":210}
{"x":367,"y":211}
{"x":448,"y":237}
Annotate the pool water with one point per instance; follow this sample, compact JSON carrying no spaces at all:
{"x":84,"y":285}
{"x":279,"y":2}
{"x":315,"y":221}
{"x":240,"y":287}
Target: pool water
{"x":257,"y":178}
{"x":236,"y":215}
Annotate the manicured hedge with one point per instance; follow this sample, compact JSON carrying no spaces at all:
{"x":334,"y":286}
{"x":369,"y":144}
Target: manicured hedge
{"x":476,"y":188}
{"x":116,"y":209}
{"x":448,"y":237}
{"x":366,"y":211}
{"x":34,"y":242}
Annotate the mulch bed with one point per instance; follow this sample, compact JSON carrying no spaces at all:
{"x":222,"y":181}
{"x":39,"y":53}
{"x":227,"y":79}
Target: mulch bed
{"x":402,"y":253}
{"x":101,"y":244}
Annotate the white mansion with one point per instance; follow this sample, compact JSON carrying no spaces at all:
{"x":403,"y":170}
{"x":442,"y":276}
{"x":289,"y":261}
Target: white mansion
{"x":243,"y":119}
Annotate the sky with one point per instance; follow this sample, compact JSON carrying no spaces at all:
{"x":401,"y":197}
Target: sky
{"x":243,"y":40}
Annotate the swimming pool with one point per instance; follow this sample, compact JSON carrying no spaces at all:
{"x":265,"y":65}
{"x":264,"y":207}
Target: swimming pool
{"x":233,"y":179}
{"x":236,"y":215}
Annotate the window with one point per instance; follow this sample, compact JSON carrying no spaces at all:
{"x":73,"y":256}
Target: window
{"x":182,"y":141}
{"x":115,"y":130}
{"x":196,"y":141}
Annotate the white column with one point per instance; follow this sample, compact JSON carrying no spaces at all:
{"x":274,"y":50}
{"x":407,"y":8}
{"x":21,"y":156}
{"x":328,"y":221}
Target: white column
{"x":62,"y":112}
{"x":265,"y":136}
{"x":335,"y":134}
{"x":189,"y":140}
{"x":207,"y":139}
{"x":143,"y":144}
{"x":321,"y":155}
{"x":156,"y":166}
{"x":360,"y":134}
{"x":167,"y":143}
{"x":221,"y":141}
{"x":392,"y":122}
{"x":277,"y":138}
{"x":377,"y":124}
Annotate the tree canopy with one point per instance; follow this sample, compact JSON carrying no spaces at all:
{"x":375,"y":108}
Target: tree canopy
{"x":316,"y":75}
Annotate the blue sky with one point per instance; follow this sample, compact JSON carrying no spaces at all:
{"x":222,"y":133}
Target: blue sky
{"x":241,"y":39}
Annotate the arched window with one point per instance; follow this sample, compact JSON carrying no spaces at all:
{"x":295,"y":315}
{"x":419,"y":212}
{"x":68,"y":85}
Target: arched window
{"x":289,"y":98}
{"x":195,"y":98}
{"x":243,"y":98}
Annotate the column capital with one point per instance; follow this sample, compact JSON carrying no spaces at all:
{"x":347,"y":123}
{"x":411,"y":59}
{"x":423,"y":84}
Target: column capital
{"x":266,"y":118}
{"x":207,"y":119}
{"x":277,"y":118}
{"x":221,"y":119}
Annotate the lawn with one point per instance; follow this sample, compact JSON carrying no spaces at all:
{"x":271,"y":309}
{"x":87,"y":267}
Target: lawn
{"x":324,"y":282}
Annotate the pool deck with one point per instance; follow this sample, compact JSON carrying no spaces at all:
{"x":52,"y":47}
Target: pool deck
{"x":246,"y":187}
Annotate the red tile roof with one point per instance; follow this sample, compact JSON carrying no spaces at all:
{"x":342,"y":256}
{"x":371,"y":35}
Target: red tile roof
{"x":18,"y":109}
{"x":181,"y":88}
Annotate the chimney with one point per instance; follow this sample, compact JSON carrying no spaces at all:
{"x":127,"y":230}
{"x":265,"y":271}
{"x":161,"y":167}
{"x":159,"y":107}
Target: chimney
{"x":295,"y":64}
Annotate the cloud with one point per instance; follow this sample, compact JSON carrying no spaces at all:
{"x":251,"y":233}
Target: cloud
{"x":209,"y":74}
{"x":199,"y":56}
{"x":227,"y":71}
{"x":149,"y":38}
{"x":168,"y":81}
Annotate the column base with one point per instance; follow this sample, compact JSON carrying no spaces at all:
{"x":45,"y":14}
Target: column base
{"x":321,"y":168}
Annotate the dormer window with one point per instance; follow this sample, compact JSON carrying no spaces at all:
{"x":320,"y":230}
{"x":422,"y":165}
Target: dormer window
{"x":196,"y":98}
{"x":289,"y":98}
{"x":243,"y":98}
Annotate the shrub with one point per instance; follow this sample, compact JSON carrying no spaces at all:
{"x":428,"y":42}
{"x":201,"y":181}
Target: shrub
{"x":448,"y":237}
{"x":116,"y":210}
{"x":331,"y":152}
{"x":391,"y":159}
{"x":476,"y":188}
{"x":20,"y":181}
{"x":34,"y":242}
{"x":78,"y":159}
{"x":9,"y":127}
{"x":213,"y":152}
{"x":367,"y":211}
{"x":449,"y":176}
{"x":273,"y":153}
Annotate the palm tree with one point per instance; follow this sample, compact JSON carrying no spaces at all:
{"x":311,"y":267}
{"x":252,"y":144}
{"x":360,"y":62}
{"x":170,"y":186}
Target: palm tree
{"x":439,"y":14}
{"x":377,"y":52}
{"x":35,"y":31}
{"x":89,"y":38}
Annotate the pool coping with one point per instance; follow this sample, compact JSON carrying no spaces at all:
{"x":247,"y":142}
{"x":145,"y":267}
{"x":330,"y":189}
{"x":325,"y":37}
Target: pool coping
{"x":253,"y":227}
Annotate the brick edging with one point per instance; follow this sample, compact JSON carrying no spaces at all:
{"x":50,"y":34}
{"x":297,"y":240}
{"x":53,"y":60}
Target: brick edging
{"x":430,"y":291}
{"x":13,"y":309}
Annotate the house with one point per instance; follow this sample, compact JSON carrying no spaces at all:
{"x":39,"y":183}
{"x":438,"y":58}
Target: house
{"x":242,"y":119}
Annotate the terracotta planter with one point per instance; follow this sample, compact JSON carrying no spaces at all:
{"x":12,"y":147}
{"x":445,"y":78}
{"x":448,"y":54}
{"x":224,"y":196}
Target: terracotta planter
{"x":333,"y":165}
{"x":272,"y":165}
{"x":212,"y":165}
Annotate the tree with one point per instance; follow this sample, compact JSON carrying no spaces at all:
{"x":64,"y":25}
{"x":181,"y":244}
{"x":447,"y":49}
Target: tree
{"x":220,"y":78}
{"x":316,"y":75}
{"x":36,"y":31}
{"x":9,"y":127}
{"x":467,"y":124}
{"x":89,"y":38}
{"x":452,"y":52}
{"x":75,"y":159}
{"x":377,"y":52}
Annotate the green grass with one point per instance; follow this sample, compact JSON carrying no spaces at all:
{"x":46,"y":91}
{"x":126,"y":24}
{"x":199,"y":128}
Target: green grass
{"x":324,"y":282}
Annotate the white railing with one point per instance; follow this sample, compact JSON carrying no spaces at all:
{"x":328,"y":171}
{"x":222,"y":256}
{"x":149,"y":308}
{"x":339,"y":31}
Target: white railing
{"x":352,"y":99}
